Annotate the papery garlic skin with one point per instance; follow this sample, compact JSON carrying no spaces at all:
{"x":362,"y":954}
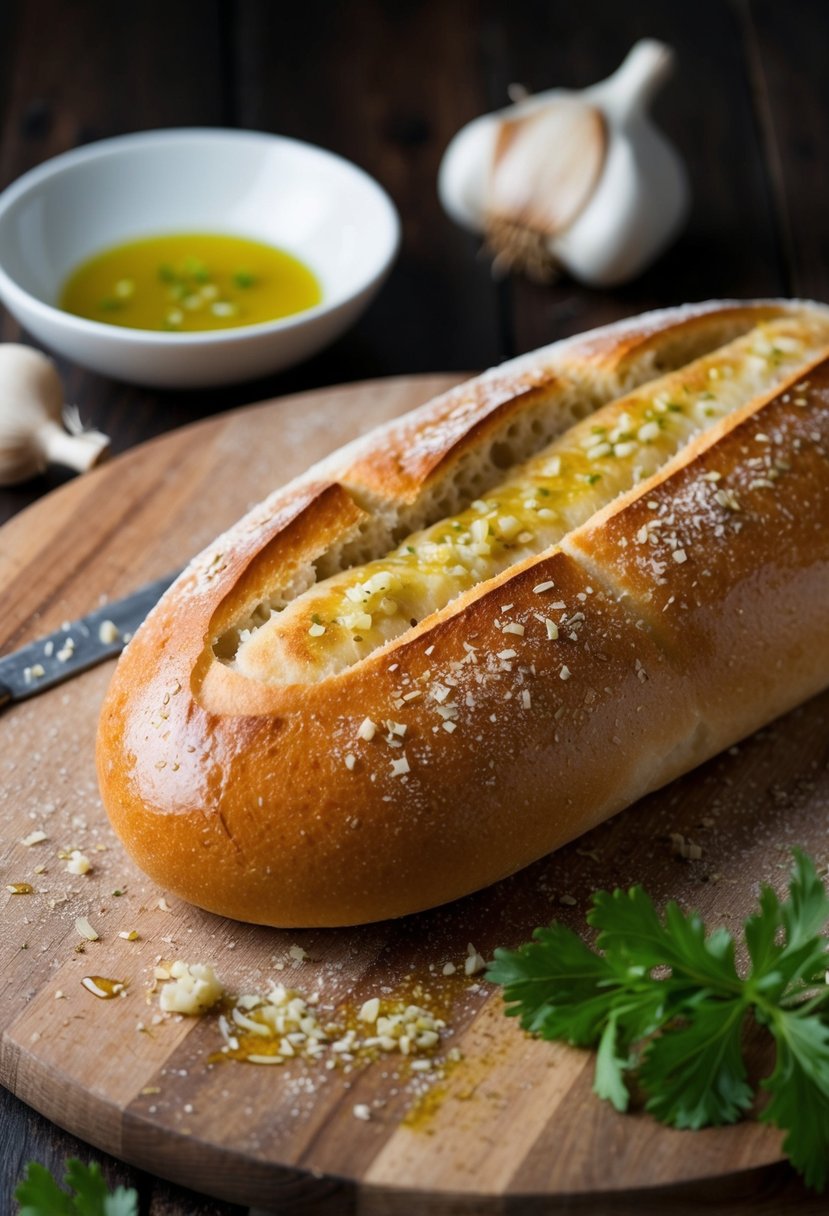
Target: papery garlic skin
{"x":641,"y":198}
{"x":31,"y":410}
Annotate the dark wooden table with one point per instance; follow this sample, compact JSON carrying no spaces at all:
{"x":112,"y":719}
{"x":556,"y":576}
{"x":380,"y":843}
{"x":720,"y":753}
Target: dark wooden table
{"x":386,"y":83}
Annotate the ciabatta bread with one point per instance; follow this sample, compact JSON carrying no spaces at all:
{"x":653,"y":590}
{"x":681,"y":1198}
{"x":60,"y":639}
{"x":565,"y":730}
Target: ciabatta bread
{"x":475,"y":633}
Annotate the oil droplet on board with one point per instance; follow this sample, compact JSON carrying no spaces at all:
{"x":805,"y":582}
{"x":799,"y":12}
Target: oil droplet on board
{"x":105,"y":989}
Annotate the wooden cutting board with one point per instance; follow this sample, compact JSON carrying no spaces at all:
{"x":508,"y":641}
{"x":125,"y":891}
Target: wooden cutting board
{"x":512,"y":1126}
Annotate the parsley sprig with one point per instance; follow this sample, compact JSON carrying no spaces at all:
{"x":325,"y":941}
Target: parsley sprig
{"x":40,"y":1195}
{"x":680,"y":1031}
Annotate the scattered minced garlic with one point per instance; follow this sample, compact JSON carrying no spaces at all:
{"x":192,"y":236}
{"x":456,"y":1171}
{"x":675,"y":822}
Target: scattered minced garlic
{"x":84,"y":928}
{"x":361,"y":1111}
{"x":36,"y":837}
{"x":400,"y":767}
{"x":685,"y":849}
{"x":108,"y":632}
{"x":192,"y":988}
{"x":284,"y":1024}
{"x":367,"y":730}
{"x":473,"y":963}
{"x":78,"y":863}
{"x":370,"y":1010}
{"x":66,"y":651}
{"x":129,"y":935}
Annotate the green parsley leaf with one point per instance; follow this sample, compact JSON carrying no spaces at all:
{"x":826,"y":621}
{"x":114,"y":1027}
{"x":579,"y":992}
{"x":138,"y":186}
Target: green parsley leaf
{"x":609,"y":1082}
{"x":799,"y":1088}
{"x":696,"y":1075}
{"x":89,"y":1186}
{"x":40,"y":1195}
{"x":557,"y":985}
{"x":631,"y":930}
{"x":661,"y":998}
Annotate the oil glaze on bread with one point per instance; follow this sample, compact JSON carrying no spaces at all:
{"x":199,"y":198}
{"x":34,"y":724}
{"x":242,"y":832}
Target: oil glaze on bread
{"x":294,"y":741}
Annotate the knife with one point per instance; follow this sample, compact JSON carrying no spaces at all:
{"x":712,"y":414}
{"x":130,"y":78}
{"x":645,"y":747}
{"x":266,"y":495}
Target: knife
{"x":78,"y":645}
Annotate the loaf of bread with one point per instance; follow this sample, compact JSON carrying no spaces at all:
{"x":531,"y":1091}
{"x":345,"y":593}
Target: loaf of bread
{"x":473,"y":634}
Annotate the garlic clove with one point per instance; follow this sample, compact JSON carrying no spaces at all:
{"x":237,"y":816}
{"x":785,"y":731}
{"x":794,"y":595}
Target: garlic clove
{"x":546,"y":164}
{"x":31,"y":409}
{"x":578,"y":180}
{"x":79,"y":450}
{"x":20,"y":457}
{"x":648,"y":65}
{"x":464,"y":172}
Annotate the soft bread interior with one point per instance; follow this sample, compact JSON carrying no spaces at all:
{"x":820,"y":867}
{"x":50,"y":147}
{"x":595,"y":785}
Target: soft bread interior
{"x":300,"y":634}
{"x":478,"y":430}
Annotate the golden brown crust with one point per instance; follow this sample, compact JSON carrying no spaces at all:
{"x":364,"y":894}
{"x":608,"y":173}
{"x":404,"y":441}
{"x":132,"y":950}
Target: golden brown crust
{"x":343,"y":845}
{"x":616,"y":349}
{"x":270,"y":804}
{"x":400,"y":462}
{"x":464,"y":416}
{"x":297,"y":531}
{"x":743,"y":613}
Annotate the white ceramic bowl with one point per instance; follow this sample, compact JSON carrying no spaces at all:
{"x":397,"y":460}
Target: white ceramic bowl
{"x":316,"y":205}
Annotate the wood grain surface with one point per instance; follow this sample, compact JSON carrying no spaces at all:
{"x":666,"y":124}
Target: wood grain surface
{"x":512,"y":1126}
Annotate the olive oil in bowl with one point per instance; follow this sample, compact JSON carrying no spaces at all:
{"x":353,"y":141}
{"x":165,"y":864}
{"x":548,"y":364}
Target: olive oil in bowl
{"x":189,"y":283}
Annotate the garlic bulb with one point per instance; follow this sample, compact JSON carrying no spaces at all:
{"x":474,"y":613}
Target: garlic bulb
{"x":31,"y":409}
{"x":575,"y":181}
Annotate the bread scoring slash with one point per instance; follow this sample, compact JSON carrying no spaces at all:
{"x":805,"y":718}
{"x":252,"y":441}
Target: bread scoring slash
{"x":477,"y":632}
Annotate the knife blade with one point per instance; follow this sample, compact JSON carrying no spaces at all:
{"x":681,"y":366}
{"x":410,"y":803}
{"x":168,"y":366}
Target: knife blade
{"x":77,"y":645}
